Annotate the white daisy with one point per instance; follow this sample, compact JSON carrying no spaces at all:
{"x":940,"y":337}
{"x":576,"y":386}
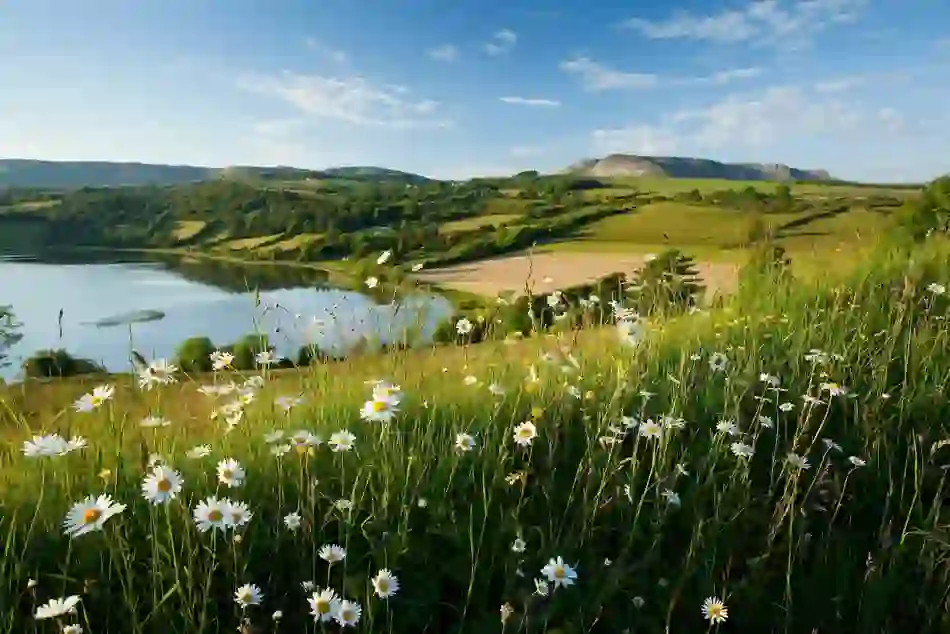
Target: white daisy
{"x":90,"y":515}
{"x":247,"y":595}
{"x":221,"y":360}
{"x":525,"y":433}
{"x":238,"y":513}
{"x":385,"y":584}
{"x":741,"y":450}
{"x":161,"y":485}
{"x":292,"y":521}
{"x":714,"y":610}
{"x":348,"y":613}
{"x":650,"y":429}
{"x":332,"y":553}
{"x":212,"y":513}
{"x":464,"y":442}
{"x":99,"y":395}
{"x":559,"y":573}
{"x":378,"y":410}
{"x":57,"y":608}
{"x":154,"y":421}
{"x":464,"y":326}
{"x":372,"y":281}
{"x":799,"y":462}
{"x":230,"y":473}
{"x":341,"y":441}
{"x":384,"y":257}
{"x":324,"y":605}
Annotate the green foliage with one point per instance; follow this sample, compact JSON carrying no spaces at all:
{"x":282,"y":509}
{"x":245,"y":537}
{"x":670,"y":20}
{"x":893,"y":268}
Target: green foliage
{"x":246,"y":349}
{"x":193,"y":355}
{"x":58,"y":363}
{"x":929,"y":213}
{"x":667,"y":284}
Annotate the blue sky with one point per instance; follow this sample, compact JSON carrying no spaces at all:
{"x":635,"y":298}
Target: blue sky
{"x":477,"y":87}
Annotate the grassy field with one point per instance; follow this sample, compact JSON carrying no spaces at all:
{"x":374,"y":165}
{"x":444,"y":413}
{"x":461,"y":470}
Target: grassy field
{"x":669,"y":186}
{"x":468,"y":224}
{"x":782,"y":457}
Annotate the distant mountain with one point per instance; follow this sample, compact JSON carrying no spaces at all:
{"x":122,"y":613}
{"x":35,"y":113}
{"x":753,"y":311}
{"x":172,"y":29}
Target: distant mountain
{"x":685,"y":167}
{"x":74,"y":174}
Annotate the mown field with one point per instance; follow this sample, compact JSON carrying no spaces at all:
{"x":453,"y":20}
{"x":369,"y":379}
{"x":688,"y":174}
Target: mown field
{"x":777,"y":464}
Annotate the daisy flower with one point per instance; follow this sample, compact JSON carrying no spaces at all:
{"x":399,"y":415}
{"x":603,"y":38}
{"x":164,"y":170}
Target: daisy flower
{"x":57,"y":608}
{"x":348,"y":613}
{"x":90,"y":515}
{"x":385,"y":584}
{"x":292,"y":521}
{"x":378,"y":410}
{"x":230,"y":473}
{"x":324,"y":605}
{"x":247,"y":595}
{"x":211,"y":513}
{"x":199,"y":451}
{"x":161,"y":485}
{"x":714,"y":610}
{"x":341,"y":441}
{"x":332,"y":553}
{"x":559,"y":573}
{"x":525,"y":433}
{"x":464,"y":442}
{"x":464,"y":326}
{"x":99,"y":395}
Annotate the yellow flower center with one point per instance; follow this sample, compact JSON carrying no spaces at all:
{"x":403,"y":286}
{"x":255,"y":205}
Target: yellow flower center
{"x":236,"y":516}
{"x":215,"y":515}
{"x":91,"y":516}
{"x":323,"y":606}
{"x":715,"y":610}
{"x":227,"y":474}
{"x":383,"y":585}
{"x":559,"y":572}
{"x":378,"y":407}
{"x":347,"y":615}
{"x":164,"y":485}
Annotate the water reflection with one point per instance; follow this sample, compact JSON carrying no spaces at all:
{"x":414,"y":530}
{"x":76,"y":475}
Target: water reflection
{"x":294,"y":307}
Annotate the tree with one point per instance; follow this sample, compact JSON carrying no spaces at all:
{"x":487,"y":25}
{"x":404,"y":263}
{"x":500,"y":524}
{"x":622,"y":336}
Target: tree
{"x":9,"y":333}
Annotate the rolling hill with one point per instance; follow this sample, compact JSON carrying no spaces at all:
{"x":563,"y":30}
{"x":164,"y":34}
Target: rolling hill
{"x":686,"y":167}
{"x":75,"y":174}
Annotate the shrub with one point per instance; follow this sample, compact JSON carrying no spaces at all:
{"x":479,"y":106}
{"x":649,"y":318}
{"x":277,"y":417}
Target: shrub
{"x":246,"y":349}
{"x":668,"y":284}
{"x":193,"y":355}
{"x":58,"y":363}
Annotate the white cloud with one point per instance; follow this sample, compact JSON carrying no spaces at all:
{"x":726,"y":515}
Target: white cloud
{"x":353,"y":100}
{"x":778,"y":114}
{"x":760,"y":21}
{"x":444,"y":53}
{"x":502,"y":42}
{"x":597,"y":77}
{"x":527,"y":101}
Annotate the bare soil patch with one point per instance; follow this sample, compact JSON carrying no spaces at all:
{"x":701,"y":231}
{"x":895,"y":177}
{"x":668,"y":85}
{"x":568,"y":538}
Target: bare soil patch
{"x":544,"y":272}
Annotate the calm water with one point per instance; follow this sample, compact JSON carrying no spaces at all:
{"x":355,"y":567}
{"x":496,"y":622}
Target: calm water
{"x":198,"y":300}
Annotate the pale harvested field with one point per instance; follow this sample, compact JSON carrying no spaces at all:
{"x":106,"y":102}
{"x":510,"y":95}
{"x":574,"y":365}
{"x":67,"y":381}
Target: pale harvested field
{"x":495,"y":276}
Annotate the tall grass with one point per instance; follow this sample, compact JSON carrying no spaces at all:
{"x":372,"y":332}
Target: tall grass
{"x":654,"y":517}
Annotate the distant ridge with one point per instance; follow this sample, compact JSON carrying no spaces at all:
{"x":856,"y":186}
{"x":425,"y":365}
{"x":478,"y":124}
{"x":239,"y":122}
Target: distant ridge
{"x":75,"y":174}
{"x":686,"y":167}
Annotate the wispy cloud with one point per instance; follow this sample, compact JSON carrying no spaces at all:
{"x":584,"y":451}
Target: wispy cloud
{"x":501,"y":42}
{"x":760,"y":21}
{"x":444,"y":53}
{"x":336,"y":55}
{"x":352,"y":100}
{"x":775,"y":115}
{"x":596,"y":77}
{"x":528,"y":101}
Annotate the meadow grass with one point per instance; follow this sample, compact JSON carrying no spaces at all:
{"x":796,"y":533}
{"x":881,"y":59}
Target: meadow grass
{"x":784,"y":454}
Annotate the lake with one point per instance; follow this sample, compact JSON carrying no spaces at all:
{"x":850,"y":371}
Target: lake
{"x":197,"y":298}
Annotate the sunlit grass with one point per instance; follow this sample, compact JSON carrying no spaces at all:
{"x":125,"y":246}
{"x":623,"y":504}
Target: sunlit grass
{"x":640,"y":478}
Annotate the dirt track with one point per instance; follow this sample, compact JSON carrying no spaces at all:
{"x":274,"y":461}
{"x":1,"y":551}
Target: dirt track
{"x":512,"y":273}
